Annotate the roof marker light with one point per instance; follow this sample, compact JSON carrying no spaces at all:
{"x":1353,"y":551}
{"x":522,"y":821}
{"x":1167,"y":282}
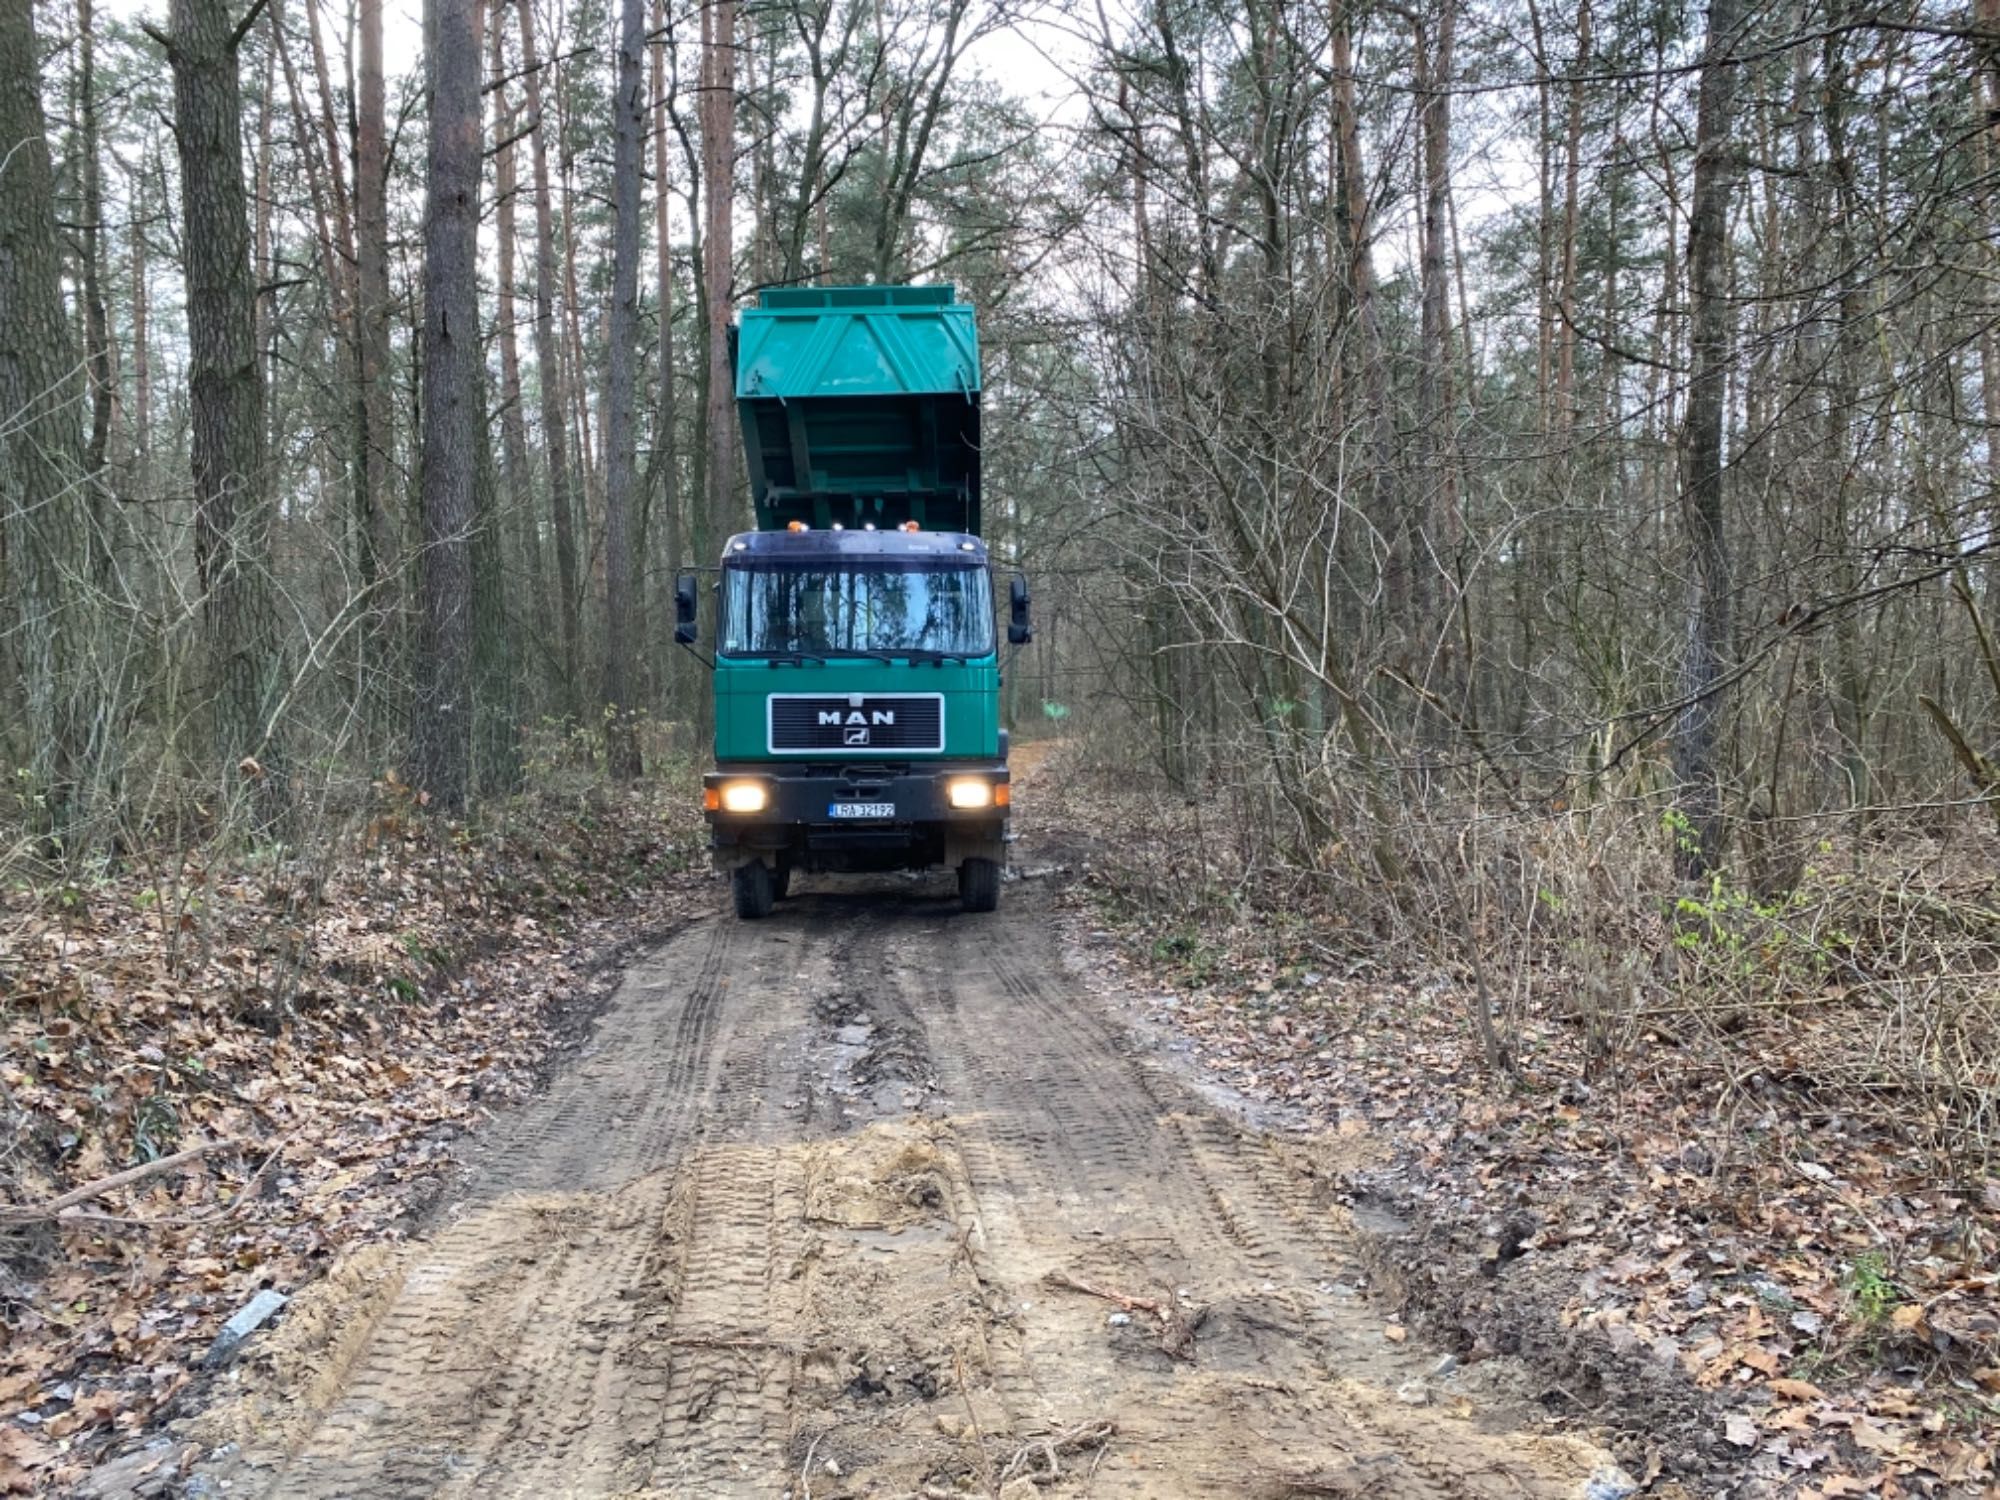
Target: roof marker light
{"x":909,"y":526}
{"x":838,"y":527}
{"x":742,"y":546}
{"x":867,"y":525}
{"x":965,"y":546}
{"x":797,"y":526}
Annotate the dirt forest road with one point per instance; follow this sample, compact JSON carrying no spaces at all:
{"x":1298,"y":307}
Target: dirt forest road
{"x":840,"y":1204}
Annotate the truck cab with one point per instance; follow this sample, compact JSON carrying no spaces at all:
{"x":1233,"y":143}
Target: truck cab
{"x":857,"y":653}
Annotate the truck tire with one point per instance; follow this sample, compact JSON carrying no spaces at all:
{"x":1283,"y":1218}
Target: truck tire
{"x":979,"y":885}
{"x":754,"y":890}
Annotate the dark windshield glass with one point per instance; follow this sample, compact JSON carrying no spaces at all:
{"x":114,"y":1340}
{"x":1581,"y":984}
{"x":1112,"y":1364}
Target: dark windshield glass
{"x":825,"y":609}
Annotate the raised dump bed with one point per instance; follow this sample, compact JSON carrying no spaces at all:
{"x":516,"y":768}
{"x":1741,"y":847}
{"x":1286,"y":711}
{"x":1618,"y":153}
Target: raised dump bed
{"x":860,"y":405}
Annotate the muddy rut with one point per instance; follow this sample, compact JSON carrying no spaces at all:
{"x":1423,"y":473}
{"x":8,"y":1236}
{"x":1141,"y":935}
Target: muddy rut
{"x":869,"y":1199}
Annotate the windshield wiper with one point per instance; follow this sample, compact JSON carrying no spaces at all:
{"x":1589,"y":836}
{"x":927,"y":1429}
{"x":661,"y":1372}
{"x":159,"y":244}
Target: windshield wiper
{"x":794,"y":658}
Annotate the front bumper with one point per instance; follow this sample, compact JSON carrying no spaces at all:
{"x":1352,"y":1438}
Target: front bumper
{"x":798,"y":824}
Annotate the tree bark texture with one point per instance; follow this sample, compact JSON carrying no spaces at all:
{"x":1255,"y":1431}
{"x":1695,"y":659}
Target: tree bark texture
{"x":666,"y":446}
{"x":441,"y":734}
{"x":1697,"y":748}
{"x":621,"y":742}
{"x":375,"y":517}
{"x":232,"y":499}
{"x":42,"y":488}
{"x":718,"y":168}
{"x":513,"y":421}
{"x":548,"y":358}
{"x":1436,"y":504}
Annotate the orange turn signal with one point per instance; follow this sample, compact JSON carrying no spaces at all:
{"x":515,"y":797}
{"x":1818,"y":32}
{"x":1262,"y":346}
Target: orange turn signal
{"x":711,"y":799}
{"x":909,"y":526}
{"x":796,"y":526}
{"x":1000,"y":795}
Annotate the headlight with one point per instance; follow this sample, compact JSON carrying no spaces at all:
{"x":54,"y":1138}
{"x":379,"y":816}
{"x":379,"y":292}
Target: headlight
{"x":745,"y":796}
{"x":969,"y":793}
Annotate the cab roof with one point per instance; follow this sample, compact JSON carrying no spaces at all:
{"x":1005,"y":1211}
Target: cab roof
{"x":854,"y":544}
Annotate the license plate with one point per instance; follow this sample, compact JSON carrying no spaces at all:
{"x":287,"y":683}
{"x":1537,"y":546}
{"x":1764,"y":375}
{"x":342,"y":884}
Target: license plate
{"x":862,"y":810}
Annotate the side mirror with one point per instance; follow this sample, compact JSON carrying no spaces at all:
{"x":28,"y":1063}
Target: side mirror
{"x":1019,"y":631}
{"x":685,"y":628}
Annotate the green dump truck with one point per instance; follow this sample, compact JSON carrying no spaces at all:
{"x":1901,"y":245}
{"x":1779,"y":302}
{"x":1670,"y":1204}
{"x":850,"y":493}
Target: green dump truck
{"x":856,"y":659}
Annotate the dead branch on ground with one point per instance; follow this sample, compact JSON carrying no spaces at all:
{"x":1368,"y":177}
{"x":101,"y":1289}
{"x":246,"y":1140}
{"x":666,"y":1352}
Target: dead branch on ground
{"x":1178,"y":1323}
{"x":34,"y":1213}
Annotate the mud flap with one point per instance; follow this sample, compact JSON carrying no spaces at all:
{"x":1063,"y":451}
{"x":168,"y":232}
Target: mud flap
{"x":974,"y":844}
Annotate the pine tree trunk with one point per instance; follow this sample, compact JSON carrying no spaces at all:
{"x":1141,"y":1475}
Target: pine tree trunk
{"x":1367,"y":318}
{"x":42,"y":503}
{"x":142,"y":347}
{"x":718,"y":150}
{"x":496,"y":746}
{"x":260,"y":234}
{"x":666,"y":445}
{"x":441,"y":733}
{"x":97,"y":349}
{"x":621,"y":742}
{"x":513,"y":420}
{"x":549,"y":361}
{"x":1986,"y":99}
{"x":1697,"y":748}
{"x":1434,"y":512}
{"x":1572,"y":172}
{"x":232,"y":496}
{"x":375,"y":517}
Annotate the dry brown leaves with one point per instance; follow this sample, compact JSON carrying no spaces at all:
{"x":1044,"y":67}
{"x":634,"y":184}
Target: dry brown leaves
{"x":355,"y":1019}
{"x":1804,"y":1266}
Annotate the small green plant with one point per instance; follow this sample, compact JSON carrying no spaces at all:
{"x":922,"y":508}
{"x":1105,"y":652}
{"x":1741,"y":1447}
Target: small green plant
{"x":1875,"y":1293}
{"x":1681,"y":829}
{"x":1751,"y":938}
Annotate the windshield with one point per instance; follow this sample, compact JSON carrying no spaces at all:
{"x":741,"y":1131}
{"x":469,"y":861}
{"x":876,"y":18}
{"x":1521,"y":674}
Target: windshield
{"x":827,"y":609}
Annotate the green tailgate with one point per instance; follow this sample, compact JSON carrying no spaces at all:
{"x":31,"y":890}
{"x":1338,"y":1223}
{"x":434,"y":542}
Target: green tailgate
{"x":971,"y":692}
{"x":861,"y":404}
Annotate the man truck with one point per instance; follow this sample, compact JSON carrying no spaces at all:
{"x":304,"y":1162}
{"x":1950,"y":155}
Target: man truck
{"x":856,"y":662}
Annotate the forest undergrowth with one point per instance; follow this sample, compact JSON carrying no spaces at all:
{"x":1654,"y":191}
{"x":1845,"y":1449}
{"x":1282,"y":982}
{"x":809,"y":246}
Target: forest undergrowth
{"x":223,"y":1063}
{"x":1721,"y":1160}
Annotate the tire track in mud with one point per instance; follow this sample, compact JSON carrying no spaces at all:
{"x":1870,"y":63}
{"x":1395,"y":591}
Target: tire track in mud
{"x":1083,"y":1158}
{"x":728,"y":1386}
{"x":801,"y":1203}
{"x":497,"y":1367}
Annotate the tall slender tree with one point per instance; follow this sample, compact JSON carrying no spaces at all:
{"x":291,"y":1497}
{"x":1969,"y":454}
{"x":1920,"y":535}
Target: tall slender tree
{"x":232,"y":492}
{"x":620,"y":397}
{"x":664,"y":467}
{"x":44,"y":543}
{"x":374,"y":514}
{"x":1697,"y":742}
{"x":718,"y":170}
{"x":441,"y":733}
{"x":549,"y":360}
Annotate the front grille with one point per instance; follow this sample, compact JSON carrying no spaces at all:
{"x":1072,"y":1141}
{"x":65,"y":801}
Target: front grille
{"x":810,"y":723}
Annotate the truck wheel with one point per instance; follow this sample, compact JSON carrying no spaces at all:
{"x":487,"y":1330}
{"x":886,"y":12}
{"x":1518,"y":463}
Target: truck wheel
{"x":979,"y":885}
{"x":754,"y":890}
{"x":781,"y":881}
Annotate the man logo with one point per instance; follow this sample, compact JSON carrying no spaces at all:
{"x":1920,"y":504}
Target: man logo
{"x":866,"y":725}
{"x":829,"y":717}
